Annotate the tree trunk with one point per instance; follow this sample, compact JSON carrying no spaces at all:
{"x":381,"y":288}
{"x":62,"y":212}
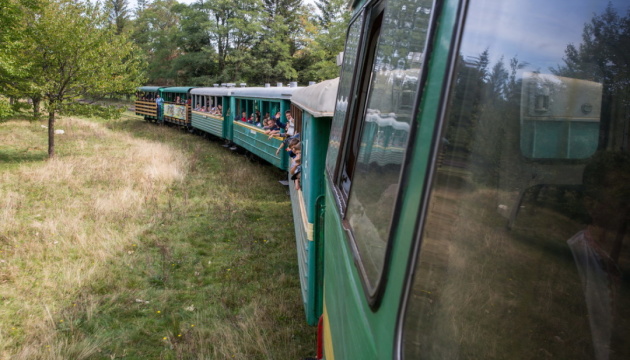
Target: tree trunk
{"x":36,"y":102}
{"x":51,"y":134}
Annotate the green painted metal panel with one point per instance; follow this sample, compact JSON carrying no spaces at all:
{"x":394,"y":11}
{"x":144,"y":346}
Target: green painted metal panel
{"x":207,"y":123}
{"x":306,"y":253}
{"x":348,"y":311}
{"x":253,"y":139}
{"x":314,"y":145}
{"x":315,"y":132}
{"x":229,"y":114}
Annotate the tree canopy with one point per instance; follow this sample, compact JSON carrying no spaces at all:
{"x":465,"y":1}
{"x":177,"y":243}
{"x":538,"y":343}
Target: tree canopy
{"x":69,"y":51}
{"x":251,"y":41}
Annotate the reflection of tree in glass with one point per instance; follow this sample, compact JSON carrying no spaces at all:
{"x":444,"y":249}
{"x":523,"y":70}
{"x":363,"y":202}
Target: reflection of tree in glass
{"x":604,"y":56}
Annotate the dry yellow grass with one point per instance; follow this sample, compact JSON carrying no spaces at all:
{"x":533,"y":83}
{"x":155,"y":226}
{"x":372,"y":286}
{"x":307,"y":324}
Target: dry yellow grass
{"x":61,"y":219}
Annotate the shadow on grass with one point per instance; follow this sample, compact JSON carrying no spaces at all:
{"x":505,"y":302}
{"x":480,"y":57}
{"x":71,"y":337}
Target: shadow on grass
{"x":11,"y":157}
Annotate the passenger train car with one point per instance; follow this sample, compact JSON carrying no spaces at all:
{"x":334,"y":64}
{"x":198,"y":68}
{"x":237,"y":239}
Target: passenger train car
{"x":477,"y":183}
{"x":465,"y":185}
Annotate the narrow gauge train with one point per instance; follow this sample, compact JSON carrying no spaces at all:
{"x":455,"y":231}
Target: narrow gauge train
{"x":466,"y":182}
{"x":219,"y":111}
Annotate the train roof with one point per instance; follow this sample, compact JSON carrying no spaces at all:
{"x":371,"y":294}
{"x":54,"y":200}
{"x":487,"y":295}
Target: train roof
{"x":212,"y":91}
{"x":319,"y":99}
{"x":149,"y":88}
{"x":177,"y":89}
{"x":265,"y":92}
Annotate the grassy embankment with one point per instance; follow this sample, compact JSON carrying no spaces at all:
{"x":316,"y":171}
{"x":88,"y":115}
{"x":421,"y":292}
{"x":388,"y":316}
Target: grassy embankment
{"x":143,"y":242}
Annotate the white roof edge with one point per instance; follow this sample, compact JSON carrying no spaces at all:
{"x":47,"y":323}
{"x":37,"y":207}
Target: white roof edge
{"x":319,"y":99}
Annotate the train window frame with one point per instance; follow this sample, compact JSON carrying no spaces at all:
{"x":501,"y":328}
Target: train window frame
{"x":440,"y":120}
{"x":297,"y":114}
{"x":353,"y":135}
{"x":334,"y":175}
{"x":354,"y":124}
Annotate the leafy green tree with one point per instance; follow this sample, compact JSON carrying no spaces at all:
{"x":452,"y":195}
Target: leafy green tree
{"x":272,"y":60}
{"x":118,"y":14}
{"x":156,"y":31}
{"x":197,"y":63}
{"x":603,"y":57}
{"x":72,"y":53}
{"x":13,"y":33}
{"x":328,"y":33}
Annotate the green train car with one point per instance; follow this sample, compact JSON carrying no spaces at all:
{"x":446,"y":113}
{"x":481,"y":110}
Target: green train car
{"x":313,"y":108}
{"x":476,"y":188}
{"x":210,"y":113}
{"x":256,"y":103}
{"x":177,"y":106}
{"x":145,"y":104}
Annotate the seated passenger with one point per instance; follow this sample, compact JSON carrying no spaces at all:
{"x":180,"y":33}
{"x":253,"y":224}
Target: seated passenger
{"x":197,"y":108}
{"x":244,"y":116}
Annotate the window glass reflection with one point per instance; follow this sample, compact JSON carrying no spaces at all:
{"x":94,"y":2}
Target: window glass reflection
{"x":525,"y":247}
{"x":343,"y":92}
{"x":385,"y":128}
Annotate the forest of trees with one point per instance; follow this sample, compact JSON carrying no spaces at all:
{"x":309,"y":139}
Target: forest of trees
{"x":55,"y":52}
{"x":250,"y":41}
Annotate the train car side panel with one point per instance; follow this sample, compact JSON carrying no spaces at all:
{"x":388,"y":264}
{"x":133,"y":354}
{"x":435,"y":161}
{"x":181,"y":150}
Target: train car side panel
{"x":212,"y":124}
{"x":253,"y":139}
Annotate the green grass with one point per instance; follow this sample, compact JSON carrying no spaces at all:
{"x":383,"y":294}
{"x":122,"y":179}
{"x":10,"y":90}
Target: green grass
{"x":143,"y":242}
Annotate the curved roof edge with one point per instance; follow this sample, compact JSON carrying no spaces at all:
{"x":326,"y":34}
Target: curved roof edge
{"x":319,"y":99}
{"x":150,"y":88}
{"x":284,"y":92}
{"x":214,"y":91}
{"x":177,"y":89}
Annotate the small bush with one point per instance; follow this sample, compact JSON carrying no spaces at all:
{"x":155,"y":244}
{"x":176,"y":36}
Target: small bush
{"x":5,"y":109}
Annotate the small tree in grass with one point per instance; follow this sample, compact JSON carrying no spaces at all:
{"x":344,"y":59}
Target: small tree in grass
{"x":73,"y":53}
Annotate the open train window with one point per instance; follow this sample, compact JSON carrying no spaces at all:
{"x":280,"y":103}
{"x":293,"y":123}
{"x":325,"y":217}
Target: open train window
{"x":378,"y":131}
{"x":296,"y":112}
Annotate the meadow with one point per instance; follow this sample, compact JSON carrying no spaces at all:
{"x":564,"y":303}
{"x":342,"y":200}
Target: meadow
{"x":140,"y":241}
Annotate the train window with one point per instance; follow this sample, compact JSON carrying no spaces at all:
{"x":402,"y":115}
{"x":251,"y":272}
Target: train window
{"x":524,"y":251}
{"x":376,"y":154}
{"x":344,"y":92}
{"x":296,"y":112}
